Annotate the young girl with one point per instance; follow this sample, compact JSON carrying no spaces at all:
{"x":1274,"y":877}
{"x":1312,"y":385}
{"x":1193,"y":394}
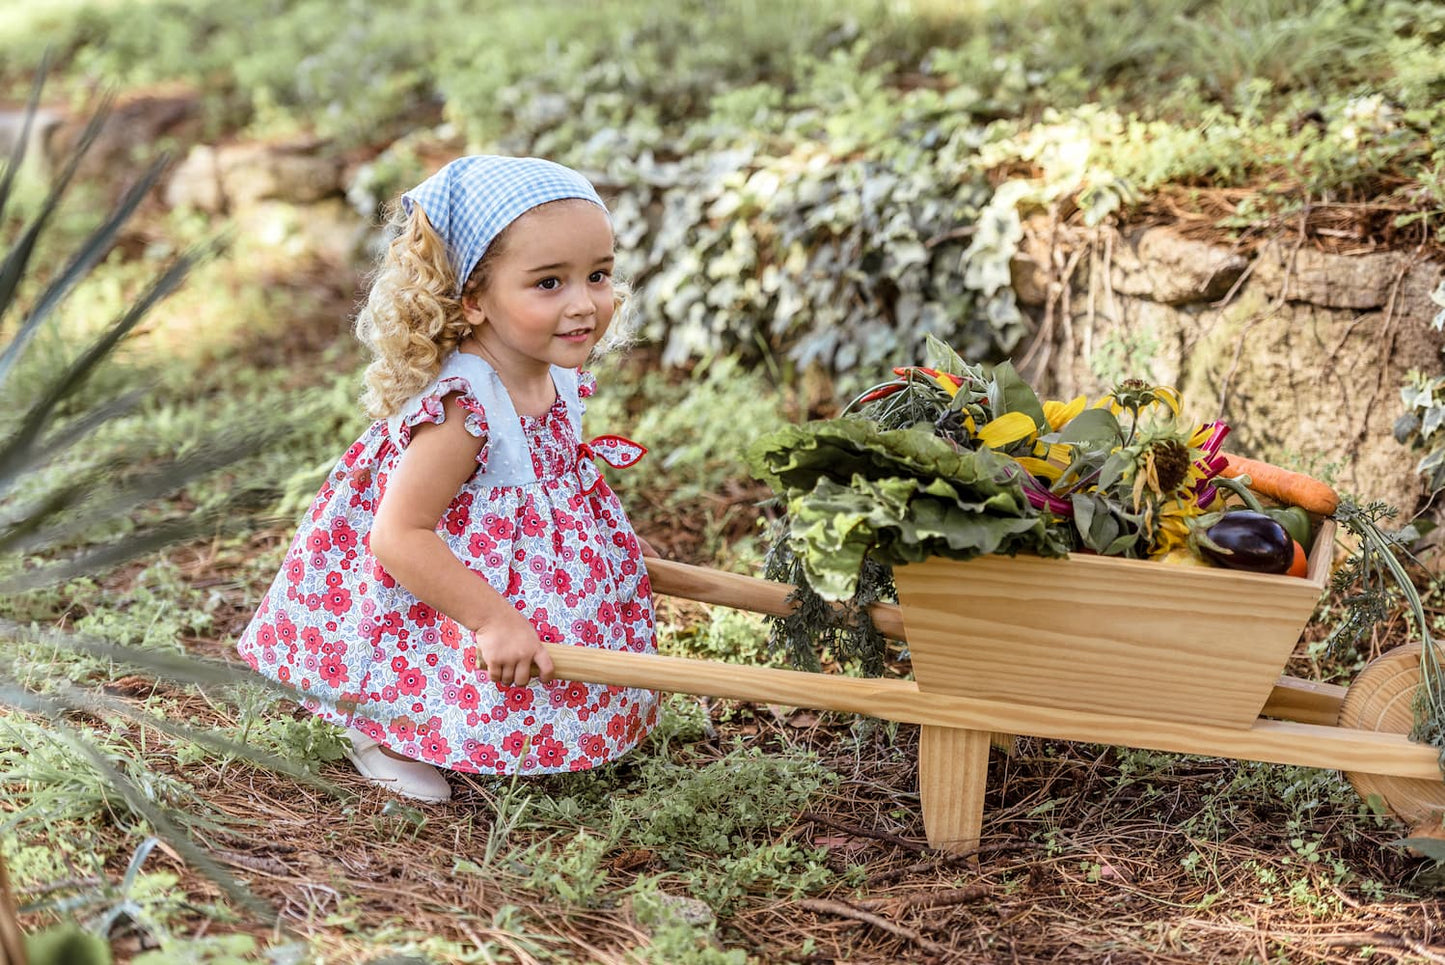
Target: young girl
{"x":469,"y":523}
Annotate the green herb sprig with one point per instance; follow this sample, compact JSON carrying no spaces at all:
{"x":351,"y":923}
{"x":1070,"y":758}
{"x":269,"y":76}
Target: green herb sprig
{"x":1372,"y":583}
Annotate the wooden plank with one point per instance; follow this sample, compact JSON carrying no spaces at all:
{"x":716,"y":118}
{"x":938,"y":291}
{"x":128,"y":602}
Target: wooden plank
{"x":1279,"y":742}
{"x":1306,"y":701}
{"x":952,"y":779}
{"x":1103,"y":634}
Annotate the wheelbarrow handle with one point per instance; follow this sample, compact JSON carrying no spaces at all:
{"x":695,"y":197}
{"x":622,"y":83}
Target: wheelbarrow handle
{"x":741,"y":592}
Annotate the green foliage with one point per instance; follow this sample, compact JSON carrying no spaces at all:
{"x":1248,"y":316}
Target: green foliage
{"x":65,"y":513}
{"x":676,"y":936}
{"x":236,"y":949}
{"x":820,"y":180}
{"x":712,"y":825}
{"x":307,"y":741}
{"x":726,"y":635}
{"x":826,"y":230}
{"x":694,"y":426}
{"x":1370,"y":585}
{"x":53,"y":780}
{"x":1419,"y":426}
{"x":66,"y":945}
{"x":806,"y":183}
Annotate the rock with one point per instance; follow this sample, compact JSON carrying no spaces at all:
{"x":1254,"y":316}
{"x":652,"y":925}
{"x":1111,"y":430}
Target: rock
{"x":196,"y":182}
{"x":299,"y":172}
{"x":1164,"y":267}
{"x":1029,"y":278}
{"x":329,"y":230}
{"x":1308,"y":376}
{"x":1029,"y":267}
{"x":138,"y":126}
{"x":1155,"y":263}
{"x":693,"y":911}
{"x":1362,"y":281}
{"x":12,"y":122}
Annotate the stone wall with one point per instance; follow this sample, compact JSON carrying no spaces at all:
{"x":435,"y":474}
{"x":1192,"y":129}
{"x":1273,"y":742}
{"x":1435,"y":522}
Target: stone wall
{"x":1301,"y":351}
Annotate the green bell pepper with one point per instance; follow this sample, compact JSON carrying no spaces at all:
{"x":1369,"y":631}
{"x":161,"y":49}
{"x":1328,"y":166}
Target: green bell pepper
{"x":1296,"y":522}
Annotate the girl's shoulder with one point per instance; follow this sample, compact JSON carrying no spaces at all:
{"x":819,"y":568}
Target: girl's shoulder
{"x":469,"y":378}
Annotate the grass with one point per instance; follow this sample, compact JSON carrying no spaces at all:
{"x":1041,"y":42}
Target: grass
{"x":742,"y":832}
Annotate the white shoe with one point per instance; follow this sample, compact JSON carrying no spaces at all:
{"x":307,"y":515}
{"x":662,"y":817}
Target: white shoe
{"x":413,"y":779}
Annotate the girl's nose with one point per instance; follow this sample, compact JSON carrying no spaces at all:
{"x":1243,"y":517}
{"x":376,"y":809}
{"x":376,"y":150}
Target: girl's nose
{"x":580,"y":304}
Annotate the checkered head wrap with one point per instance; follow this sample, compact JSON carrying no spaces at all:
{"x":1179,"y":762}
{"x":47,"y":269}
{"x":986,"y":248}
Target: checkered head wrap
{"x":472,"y":199}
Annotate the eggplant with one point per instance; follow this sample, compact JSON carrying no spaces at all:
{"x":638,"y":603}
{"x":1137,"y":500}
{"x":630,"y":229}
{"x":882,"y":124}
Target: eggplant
{"x":1247,"y":540}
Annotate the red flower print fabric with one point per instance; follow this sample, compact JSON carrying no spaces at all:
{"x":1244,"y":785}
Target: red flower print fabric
{"x":536,"y":522}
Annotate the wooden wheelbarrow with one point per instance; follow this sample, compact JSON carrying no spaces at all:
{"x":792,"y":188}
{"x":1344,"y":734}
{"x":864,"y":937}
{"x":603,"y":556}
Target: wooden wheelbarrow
{"x":1088,"y":648}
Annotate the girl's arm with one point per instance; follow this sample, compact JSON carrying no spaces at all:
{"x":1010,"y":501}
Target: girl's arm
{"x":438,"y":461}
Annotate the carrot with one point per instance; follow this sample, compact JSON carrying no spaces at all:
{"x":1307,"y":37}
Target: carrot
{"x":1284,"y":485}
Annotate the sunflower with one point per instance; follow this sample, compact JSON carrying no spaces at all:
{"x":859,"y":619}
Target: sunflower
{"x":1060,"y":414}
{"x":1170,"y":459}
{"x":1167,"y":524}
{"x":1007,"y":429}
{"x":1138,"y":395}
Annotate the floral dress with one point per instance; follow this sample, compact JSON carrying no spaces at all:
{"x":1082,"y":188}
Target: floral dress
{"x":538,"y":523}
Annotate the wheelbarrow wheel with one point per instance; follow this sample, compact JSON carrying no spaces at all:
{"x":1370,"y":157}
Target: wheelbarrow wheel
{"x":1381,"y":699}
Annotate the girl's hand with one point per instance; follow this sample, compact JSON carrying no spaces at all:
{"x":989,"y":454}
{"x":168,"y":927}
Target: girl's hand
{"x":509,"y":647}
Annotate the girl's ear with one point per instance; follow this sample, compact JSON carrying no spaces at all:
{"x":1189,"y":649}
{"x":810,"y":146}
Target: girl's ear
{"x":472,"y":309}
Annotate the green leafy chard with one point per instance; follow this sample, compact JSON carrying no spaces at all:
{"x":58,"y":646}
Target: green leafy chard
{"x":854,"y":490}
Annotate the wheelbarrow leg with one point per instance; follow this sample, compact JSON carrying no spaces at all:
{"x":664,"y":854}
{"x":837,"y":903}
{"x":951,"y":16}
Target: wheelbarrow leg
{"x":952,"y":777}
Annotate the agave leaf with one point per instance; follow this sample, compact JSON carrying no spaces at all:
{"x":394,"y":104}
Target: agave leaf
{"x":137,"y":491}
{"x":94,"y":248}
{"x":136,"y":799}
{"x":42,"y":411}
{"x":18,"y":257}
{"x":179,"y":668}
{"x":34,"y":515}
{"x":102,"y":705}
{"x":105,"y":557}
{"x":36,"y":437}
{"x":17,"y":153}
{"x":163,"y":665}
{"x":72,"y":434}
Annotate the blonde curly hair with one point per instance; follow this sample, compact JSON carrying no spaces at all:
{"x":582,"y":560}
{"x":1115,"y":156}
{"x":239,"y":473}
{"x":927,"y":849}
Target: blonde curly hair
{"x":412,"y":318}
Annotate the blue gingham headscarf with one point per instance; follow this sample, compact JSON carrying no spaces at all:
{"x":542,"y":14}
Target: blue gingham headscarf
{"x":472,"y":199}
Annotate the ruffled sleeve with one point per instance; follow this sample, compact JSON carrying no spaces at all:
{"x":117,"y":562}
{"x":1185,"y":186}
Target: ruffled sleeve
{"x":586,"y":385}
{"x":429,"y":407}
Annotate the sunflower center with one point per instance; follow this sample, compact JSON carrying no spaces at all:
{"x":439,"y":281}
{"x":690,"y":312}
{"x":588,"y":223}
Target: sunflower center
{"x":1171,"y":464}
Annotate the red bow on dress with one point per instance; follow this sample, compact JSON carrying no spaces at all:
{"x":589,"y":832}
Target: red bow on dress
{"x":617,"y":451}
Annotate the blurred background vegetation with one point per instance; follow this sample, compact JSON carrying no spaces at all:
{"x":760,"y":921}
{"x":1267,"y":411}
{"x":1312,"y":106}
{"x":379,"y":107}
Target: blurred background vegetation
{"x":803,"y":192}
{"x":807,"y":179}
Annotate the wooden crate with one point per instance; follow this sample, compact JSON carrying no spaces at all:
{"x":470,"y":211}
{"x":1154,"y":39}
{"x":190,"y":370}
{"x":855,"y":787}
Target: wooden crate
{"x":1126,"y":637}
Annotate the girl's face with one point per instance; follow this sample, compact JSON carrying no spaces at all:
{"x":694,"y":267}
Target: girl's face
{"x":548,"y":298}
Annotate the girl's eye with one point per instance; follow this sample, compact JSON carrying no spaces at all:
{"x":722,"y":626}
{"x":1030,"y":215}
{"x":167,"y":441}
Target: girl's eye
{"x":549,"y":284}
{"x":598,"y":276}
